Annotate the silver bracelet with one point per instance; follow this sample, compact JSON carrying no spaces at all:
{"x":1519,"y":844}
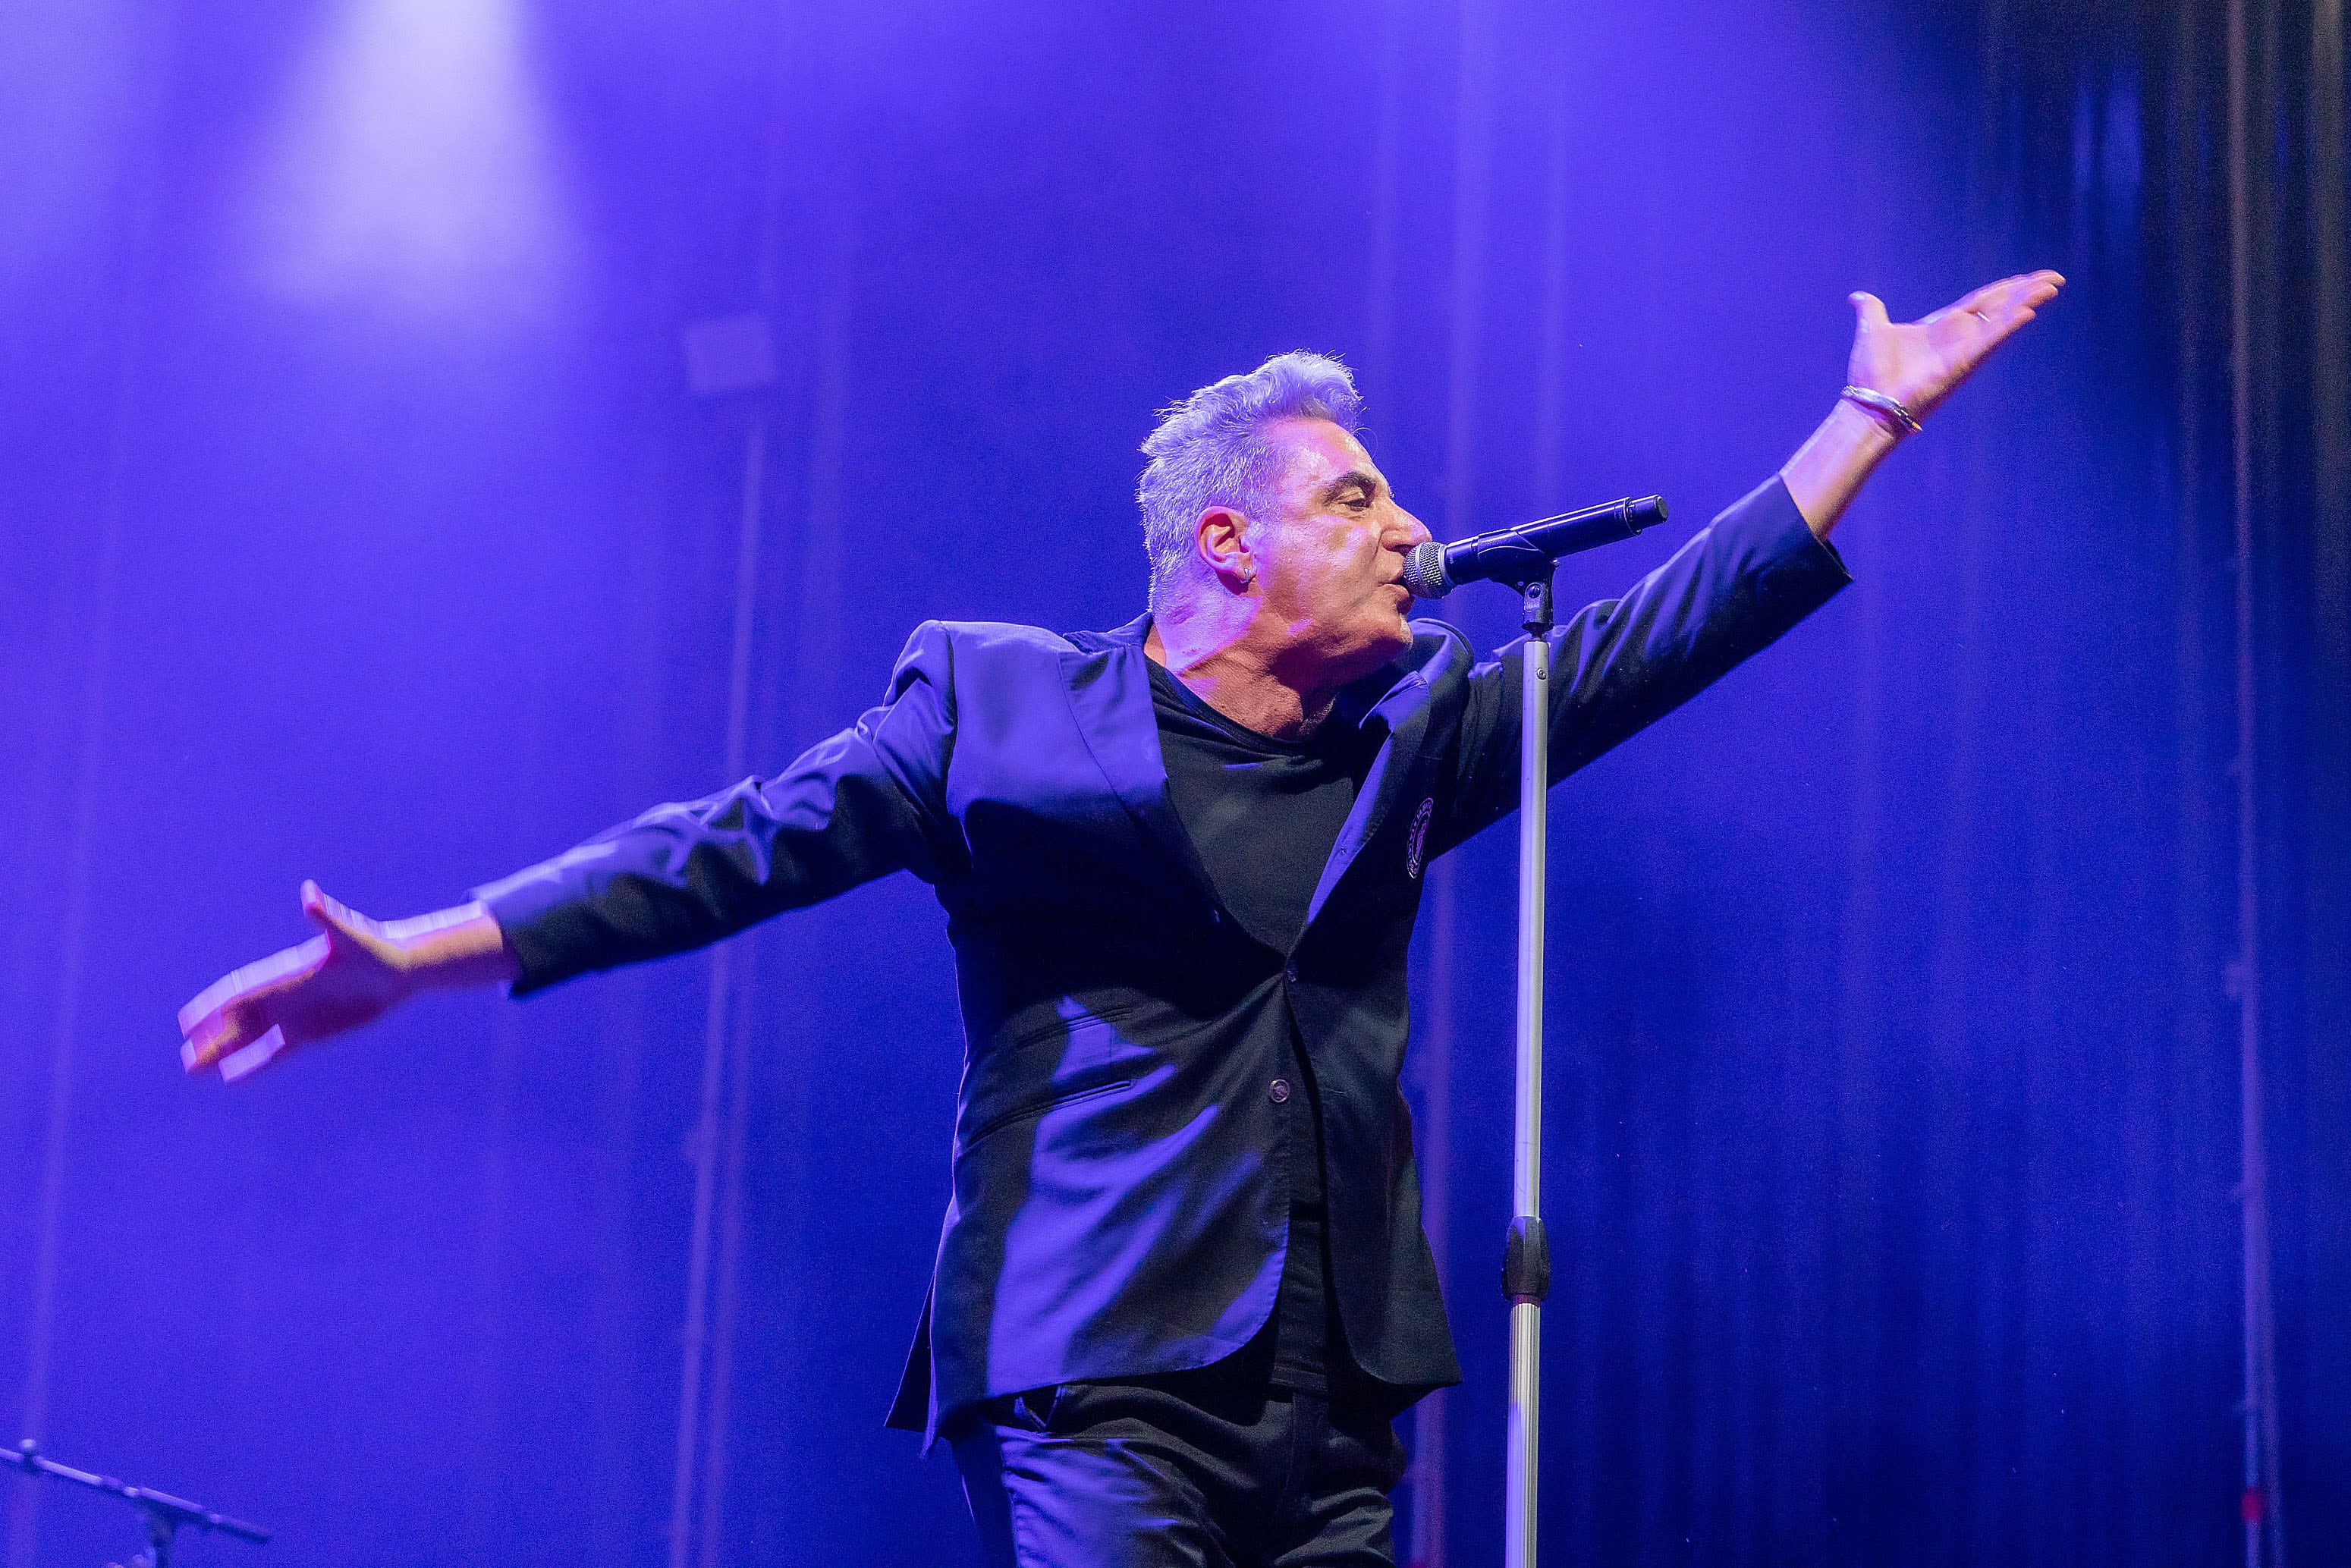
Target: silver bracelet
{"x":1878,"y":402}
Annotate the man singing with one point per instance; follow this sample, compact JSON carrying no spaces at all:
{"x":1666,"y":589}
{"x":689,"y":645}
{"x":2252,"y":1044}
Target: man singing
{"x":1182,"y":1287}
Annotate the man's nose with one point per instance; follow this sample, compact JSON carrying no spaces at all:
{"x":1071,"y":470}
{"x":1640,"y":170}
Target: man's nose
{"x":1415,"y":531}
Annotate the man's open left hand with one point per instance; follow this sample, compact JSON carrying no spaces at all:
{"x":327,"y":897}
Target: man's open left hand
{"x":1918,"y":364}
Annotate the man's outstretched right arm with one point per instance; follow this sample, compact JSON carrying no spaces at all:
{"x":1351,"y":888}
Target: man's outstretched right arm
{"x":865,"y":802}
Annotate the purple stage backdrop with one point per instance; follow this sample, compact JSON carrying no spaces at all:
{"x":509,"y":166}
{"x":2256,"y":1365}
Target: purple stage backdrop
{"x":431,"y":432}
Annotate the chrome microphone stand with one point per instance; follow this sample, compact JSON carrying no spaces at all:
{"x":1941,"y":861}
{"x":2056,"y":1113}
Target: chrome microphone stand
{"x":1525,"y":557}
{"x":1526,"y":1257}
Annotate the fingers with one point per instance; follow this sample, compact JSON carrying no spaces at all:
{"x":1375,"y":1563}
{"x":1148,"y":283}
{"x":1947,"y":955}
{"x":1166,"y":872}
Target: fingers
{"x":331,"y":913}
{"x":247,"y":985}
{"x":241,"y":1061}
{"x":2010,"y":301}
{"x":1993,"y":304}
{"x":2039,"y":290}
{"x":228,"y":1014}
{"x":346,"y":927}
{"x":249,"y":1060}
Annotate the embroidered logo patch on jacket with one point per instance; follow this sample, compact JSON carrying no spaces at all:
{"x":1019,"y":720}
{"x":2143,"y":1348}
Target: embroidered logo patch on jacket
{"x":1418,"y":840}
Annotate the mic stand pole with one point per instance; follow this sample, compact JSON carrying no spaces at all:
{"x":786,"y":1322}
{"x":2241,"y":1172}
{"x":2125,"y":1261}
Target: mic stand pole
{"x":165,"y":1514}
{"x":1526,"y":1257}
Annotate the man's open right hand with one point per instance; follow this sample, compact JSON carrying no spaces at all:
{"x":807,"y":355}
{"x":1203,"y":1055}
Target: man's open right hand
{"x":351,"y":972}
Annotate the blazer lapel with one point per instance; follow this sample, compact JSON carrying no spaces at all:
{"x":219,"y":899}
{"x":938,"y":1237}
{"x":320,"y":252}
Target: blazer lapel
{"x":1404,"y":710}
{"x":1108,"y":683}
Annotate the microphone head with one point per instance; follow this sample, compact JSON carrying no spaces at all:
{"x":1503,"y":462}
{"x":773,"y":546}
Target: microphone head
{"x":1645,"y":513}
{"x":1424,"y":571}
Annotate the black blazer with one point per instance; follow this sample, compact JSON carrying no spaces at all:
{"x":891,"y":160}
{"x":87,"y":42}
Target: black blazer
{"x":1120,"y":1207}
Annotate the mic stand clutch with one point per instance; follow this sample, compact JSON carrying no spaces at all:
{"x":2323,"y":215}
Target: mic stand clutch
{"x":165,"y":1514}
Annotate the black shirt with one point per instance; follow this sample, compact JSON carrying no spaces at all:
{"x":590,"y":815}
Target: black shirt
{"x":1263,"y":815}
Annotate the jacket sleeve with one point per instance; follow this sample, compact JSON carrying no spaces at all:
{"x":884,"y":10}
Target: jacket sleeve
{"x":868,"y":801}
{"x":1739,"y":583}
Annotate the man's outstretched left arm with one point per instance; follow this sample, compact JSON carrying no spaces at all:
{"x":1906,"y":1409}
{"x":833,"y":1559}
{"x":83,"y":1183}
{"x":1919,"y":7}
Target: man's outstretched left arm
{"x":1746,"y":576}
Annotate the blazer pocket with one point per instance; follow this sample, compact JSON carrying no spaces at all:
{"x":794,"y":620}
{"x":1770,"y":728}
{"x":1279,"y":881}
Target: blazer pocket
{"x":995,"y":1125}
{"x":1065,"y":1025}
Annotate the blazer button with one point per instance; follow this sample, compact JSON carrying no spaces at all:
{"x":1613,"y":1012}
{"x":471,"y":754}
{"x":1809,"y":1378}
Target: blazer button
{"x":1290,"y":971}
{"x":1279,"y":1091}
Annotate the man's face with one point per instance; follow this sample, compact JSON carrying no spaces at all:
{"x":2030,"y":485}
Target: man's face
{"x":1329,"y":562}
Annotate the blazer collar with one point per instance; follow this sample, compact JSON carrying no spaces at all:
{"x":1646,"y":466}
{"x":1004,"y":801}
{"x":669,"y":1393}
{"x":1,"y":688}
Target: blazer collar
{"x":1134,"y":635}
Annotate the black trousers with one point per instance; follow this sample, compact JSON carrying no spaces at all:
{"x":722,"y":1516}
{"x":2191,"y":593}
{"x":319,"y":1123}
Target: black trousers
{"x":1193,"y":1471}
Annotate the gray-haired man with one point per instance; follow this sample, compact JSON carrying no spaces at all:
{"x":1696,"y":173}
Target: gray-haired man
{"x":1182,"y":1287}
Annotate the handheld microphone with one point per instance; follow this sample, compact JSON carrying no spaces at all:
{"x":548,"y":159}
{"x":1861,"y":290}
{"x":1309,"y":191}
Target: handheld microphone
{"x":1524,"y":554}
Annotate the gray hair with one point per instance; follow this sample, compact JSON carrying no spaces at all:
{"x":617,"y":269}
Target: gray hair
{"x":1209,"y":451}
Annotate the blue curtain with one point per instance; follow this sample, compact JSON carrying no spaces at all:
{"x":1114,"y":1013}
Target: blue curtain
{"x":362,"y":526}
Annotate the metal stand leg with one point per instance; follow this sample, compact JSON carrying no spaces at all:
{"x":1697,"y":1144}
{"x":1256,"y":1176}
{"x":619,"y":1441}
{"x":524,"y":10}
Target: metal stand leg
{"x":1526,"y":1258}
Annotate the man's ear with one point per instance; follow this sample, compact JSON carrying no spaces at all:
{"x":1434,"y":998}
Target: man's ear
{"x":1222,"y":536}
